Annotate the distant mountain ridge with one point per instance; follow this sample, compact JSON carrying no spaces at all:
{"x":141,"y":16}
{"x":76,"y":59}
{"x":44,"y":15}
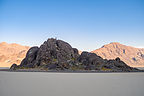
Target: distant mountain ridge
{"x":11,"y":53}
{"x":133,"y":57}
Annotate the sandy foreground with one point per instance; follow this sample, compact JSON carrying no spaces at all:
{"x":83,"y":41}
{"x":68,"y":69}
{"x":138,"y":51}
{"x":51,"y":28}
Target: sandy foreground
{"x":71,"y":84}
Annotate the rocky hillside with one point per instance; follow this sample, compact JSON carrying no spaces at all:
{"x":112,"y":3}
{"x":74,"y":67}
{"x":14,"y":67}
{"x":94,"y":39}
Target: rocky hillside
{"x":59,"y":55}
{"x":11,"y":53}
{"x":134,"y":57}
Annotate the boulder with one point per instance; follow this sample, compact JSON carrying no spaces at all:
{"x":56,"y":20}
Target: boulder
{"x":30,"y":58}
{"x":14,"y":67}
{"x":91,"y":61}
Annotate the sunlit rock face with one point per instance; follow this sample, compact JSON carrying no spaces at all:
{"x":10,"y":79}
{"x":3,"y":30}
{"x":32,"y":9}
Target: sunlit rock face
{"x":133,"y":57}
{"x":11,"y":53}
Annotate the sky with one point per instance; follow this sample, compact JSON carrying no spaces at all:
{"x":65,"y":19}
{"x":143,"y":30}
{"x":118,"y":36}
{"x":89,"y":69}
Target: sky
{"x":85,"y":24}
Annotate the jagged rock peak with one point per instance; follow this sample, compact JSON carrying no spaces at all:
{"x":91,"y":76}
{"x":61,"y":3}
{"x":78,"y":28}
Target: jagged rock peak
{"x":51,"y":54}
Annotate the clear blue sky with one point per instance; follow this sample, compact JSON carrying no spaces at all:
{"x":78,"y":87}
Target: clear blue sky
{"x":85,"y":24}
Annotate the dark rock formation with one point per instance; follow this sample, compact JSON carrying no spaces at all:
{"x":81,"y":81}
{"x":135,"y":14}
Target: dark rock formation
{"x":14,"y":67}
{"x":58,"y":55}
{"x":52,"y":54}
{"x":30,"y":58}
{"x":91,"y":61}
{"x":118,"y":65}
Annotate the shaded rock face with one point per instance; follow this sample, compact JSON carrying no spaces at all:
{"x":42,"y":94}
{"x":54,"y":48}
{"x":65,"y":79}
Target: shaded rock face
{"x":118,"y":65}
{"x":58,"y":55}
{"x":91,"y":61}
{"x":30,"y":58}
{"x":14,"y":67}
{"x":52,"y":54}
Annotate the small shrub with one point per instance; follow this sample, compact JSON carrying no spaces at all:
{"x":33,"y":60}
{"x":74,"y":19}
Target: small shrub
{"x":106,"y":69}
{"x":54,"y":60}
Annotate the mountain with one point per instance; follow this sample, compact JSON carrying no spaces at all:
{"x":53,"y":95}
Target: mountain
{"x":134,"y":57}
{"x":11,"y":53}
{"x":58,"y":55}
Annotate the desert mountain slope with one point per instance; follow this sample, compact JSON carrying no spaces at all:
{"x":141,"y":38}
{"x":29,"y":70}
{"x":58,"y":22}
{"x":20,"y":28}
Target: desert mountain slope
{"x":134,"y":57}
{"x":11,"y":53}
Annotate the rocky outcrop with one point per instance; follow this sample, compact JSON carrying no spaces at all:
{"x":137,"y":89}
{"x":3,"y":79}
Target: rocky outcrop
{"x":52,"y":54}
{"x":58,"y":55}
{"x":118,"y":65}
{"x":29,"y":60}
{"x":91,"y":61}
{"x":12,"y":53}
{"x":133,"y":57}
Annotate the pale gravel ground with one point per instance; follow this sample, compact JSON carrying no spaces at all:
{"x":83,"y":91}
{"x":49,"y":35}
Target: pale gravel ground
{"x":71,"y":84}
